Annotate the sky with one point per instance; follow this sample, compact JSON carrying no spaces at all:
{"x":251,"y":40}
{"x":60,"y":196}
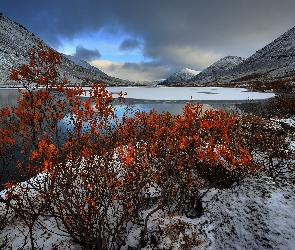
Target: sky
{"x":152,"y":39}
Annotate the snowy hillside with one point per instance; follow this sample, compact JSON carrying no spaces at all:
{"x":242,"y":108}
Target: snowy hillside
{"x":15,"y":40}
{"x":276,"y":61}
{"x":217,"y":69}
{"x":181,"y":76}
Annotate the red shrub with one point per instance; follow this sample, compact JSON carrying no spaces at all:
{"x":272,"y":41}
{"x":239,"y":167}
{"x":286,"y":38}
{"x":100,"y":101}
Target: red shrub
{"x":103,"y":173}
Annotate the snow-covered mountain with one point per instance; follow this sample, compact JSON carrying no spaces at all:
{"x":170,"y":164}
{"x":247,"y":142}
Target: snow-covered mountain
{"x":15,"y":40}
{"x":275,"y":62}
{"x":181,"y":76}
{"x":217,"y":69}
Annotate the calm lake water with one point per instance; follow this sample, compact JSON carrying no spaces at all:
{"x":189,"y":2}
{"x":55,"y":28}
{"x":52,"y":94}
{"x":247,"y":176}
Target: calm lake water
{"x":169,"y":99}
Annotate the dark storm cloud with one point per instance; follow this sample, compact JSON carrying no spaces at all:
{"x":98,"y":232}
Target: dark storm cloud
{"x":204,"y":30}
{"x":86,"y":54}
{"x":129,"y":44}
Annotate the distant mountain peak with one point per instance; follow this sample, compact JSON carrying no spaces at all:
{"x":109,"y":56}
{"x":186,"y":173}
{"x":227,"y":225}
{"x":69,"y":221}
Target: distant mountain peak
{"x":181,"y":76}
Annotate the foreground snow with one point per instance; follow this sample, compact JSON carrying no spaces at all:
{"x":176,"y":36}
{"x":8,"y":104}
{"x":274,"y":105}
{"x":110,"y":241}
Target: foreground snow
{"x":258,"y":214}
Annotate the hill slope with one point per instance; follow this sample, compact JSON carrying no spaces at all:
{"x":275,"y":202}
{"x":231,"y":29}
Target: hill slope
{"x":217,"y":69}
{"x":274,"y":62}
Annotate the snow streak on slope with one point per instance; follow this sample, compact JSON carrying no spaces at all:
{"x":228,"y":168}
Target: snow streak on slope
{"x":181,"y":76}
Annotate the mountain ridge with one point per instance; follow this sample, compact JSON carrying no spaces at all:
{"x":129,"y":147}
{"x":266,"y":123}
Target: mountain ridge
{"x":274,"y":63}
{"x":217,"y":69}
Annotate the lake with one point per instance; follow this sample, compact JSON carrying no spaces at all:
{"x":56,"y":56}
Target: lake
{"x":163,"y":99}
{"x":170,"y":99}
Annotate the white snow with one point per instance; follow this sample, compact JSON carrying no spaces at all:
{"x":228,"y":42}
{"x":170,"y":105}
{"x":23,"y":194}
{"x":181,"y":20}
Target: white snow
{"x":181,"y":76}
{"x":191,"y":71}
{"x":289,"y":121}
{"x":258,"y":214}
{"x":186,"y":93}
{"x":46,"y":235}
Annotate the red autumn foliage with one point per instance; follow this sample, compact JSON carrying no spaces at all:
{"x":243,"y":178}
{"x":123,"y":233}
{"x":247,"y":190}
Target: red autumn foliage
{"x":101,"y":174}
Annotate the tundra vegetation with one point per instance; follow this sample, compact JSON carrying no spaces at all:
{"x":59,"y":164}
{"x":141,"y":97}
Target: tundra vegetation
{"x":100,"y":176}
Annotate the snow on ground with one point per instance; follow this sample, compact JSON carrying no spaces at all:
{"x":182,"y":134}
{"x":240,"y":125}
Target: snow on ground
{"x":185,"y":93}
{"x":46,"y":235}
{"x":290,"y":122}
{"x":258,"y":214}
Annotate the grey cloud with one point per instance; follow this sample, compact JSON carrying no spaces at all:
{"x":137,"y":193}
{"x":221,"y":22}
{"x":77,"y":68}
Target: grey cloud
{"x":86,"y":54}
{"x":144,"y":66}
{"x":163,"y":71}
{"x":133,"y":66}
{"x":129,"y":44}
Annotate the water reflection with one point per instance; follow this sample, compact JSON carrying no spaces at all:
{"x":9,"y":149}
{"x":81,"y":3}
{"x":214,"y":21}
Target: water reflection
{"x":174,"y":108}
{"x":8,"y":97}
